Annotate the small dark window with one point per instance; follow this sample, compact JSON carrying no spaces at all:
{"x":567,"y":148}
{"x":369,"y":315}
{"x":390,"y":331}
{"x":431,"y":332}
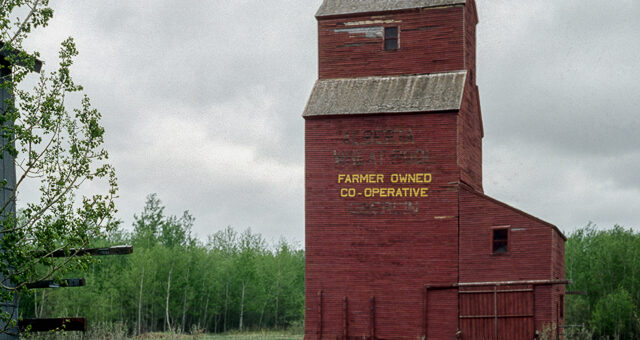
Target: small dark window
{"x":500,"y":241}
{"x":391,"y":38}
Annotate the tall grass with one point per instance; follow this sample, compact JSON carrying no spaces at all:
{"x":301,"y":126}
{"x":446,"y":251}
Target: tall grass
{"x":118,"y":331}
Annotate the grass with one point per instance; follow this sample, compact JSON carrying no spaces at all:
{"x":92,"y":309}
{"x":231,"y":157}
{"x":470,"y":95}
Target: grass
{"x":105,"y":335}
{"x":230,"y":336}
{"x":255,"y":336}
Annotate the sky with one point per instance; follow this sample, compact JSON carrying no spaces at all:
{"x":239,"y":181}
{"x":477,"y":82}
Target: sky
{"x":202,"y":104}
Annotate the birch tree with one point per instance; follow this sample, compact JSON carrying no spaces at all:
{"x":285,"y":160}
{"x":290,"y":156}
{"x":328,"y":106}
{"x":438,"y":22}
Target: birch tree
{"x":58,"y":147}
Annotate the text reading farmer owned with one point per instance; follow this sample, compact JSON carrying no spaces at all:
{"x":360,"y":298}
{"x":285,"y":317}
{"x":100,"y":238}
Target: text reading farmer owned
{"x":388,"y":186}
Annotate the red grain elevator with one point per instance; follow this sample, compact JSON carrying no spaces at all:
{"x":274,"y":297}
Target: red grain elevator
{"x":401,"y":241}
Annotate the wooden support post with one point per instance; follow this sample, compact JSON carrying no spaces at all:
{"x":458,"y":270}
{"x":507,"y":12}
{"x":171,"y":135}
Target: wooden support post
{"x":535,"y":323}
{"x":320,"y":315}
{"x":373,"y":318}
{"x":495,"y":312}
{"x":345,"y":318}
{"x":557,"y":320}
{"x":425,"y":313}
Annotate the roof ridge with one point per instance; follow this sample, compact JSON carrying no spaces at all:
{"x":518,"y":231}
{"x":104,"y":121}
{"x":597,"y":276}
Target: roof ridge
{"x":471,"y":190}
{"x":343,"y":7}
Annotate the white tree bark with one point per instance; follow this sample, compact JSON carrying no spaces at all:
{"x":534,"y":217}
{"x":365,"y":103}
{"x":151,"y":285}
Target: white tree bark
{"x":140,"y":303}
{"x":184,"y":300}
{"x":166,"y":309}
{"x":244,"y":285}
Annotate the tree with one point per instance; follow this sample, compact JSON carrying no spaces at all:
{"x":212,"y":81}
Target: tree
{"x":58,"y":146}
{"x":604,"y":264}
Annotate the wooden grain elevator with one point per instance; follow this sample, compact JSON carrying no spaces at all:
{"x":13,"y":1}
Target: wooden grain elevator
{"x":401,"y":241}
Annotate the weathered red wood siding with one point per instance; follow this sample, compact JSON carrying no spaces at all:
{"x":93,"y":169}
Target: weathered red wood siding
{"x":470,"y":138}
{"x":470,"y":23}
{"x":535,"y":250}
{"x":431,"y":41}
{"x":357,"y":249}
{"x":529,"y":256}
{"x":470,"y":129}
{"x":388,"y":249}
{"x":558,"y":268}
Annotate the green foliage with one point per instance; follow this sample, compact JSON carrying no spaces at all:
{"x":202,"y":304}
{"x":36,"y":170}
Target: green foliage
{"x":57,"y":147}
{"x":207,"y":280}
{"x":605,"y":264}
{"x":614,"y":314}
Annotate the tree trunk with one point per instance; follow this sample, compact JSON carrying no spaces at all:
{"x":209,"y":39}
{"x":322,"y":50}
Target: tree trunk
{"x":277,"y":302}
{"x":35,"y":303}
{"x":166,"y":308}
{"x":39,"y":314}
{"x":140,"y":303}
{"x":184,"y":300}
{"x":226,"y":304}
{"x":206,"y":309}
{"x":242,"y":305}
{"x":152,"y":307}
{"x":264,"y":305}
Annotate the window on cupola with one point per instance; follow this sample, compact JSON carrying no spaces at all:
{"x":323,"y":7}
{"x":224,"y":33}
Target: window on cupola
{"x":391,"y":38}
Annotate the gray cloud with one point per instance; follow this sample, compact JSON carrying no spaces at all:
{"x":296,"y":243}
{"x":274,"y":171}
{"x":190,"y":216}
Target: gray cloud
{"x":202,"y":104}
{"x":560,"y":105}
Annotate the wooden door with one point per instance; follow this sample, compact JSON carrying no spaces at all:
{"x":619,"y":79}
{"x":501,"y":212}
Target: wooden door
{"x":497,"y":313}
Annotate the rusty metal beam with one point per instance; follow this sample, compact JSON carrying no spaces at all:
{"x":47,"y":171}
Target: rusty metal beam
{"x":57,"y":284}
{"x":493,"y":316}
{"x":491,"y":291}
{"x":500,"y":283}
{"x":19,"y":60}
{"x":514,"y":283}
{"x":57,"y":324}
{"x":116,"y":250}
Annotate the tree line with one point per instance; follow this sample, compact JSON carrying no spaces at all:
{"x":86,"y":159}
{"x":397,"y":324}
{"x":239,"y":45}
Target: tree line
{"x":237,"y":281}
{"x":174,"y":282}
{"x":604,"y":266}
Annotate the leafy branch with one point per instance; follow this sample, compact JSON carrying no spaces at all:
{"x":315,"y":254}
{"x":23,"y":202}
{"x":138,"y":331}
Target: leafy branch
{"x":57,"y":147}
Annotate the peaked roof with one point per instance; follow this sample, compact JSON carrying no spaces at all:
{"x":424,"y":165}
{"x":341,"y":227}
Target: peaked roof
{"x":389,"y":94}
{"x":469,"y":189}
{"x":340,"y":7}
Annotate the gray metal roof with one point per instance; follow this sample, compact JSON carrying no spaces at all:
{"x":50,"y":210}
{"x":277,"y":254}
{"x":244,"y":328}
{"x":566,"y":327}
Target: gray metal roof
{"x":339,"y":7}
{"x":397,"y":94}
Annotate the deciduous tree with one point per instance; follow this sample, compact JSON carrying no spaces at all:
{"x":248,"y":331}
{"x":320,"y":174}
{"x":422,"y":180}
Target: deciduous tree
{"x":56,"y":146}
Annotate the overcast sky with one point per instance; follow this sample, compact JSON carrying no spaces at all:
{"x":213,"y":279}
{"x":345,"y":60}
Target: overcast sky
{"x":202,"y":102}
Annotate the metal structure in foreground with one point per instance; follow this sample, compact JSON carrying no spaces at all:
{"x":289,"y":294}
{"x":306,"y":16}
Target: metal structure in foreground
{"x":8,"y":173}
{"x":7,"y":198}
{"x":67,"y":324}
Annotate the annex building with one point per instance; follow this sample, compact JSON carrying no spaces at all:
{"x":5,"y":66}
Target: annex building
{"x":401,"y":240}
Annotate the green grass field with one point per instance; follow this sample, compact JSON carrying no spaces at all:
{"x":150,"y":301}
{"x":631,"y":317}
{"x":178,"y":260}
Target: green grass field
{"x":166,"y":336}
{"x":254,"y":336}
